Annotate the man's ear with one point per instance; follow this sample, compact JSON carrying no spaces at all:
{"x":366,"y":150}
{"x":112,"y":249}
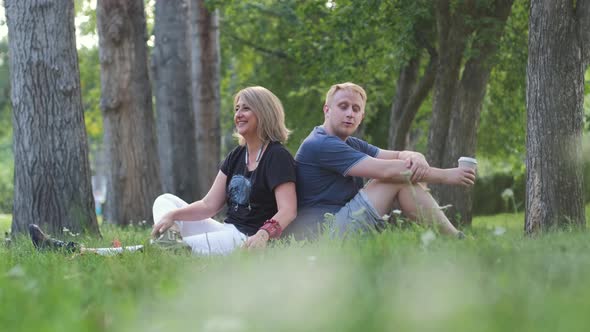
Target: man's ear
{"x":326,"y":109}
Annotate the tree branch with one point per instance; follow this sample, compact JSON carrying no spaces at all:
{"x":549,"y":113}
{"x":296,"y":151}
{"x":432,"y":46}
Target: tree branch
{"x":275,"y":53}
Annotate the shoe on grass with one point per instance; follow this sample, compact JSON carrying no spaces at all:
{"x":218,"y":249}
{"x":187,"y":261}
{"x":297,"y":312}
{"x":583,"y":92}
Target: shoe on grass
{"x":170,"y":240}
{"x":42,"y":241}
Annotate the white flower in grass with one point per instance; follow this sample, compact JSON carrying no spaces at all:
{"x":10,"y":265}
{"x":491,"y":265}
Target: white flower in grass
{"x":499,"y":231}
{"x":427,"y":237}
{"x":16,"y":272}
{"x":312,"y":260}
{"x":67,"y":230}
{"x":507,"y":194}
{"x":397,"y":212}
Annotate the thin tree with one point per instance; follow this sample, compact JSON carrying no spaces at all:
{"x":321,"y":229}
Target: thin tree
{"x":205,"y":58}
{"x":559,"y":54}
{"x":175,"y":119}
{"x":126,"y":103}
{"x":51,"y":173}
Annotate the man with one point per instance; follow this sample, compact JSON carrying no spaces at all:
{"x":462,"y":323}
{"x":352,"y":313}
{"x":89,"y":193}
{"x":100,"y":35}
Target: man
{"x":331,"y":164}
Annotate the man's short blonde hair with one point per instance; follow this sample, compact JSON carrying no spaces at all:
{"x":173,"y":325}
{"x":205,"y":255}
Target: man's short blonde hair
{"x":269,"y":111}
{"x":346,"y":86}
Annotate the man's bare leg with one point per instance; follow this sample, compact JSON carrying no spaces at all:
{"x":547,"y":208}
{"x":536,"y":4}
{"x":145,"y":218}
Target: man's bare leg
{"x":415,"y":202}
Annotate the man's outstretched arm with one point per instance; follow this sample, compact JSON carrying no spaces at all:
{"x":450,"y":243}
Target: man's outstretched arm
{"x":397,"y":170}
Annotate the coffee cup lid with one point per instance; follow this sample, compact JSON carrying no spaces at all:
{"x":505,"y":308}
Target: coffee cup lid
{"x":468,"y":159}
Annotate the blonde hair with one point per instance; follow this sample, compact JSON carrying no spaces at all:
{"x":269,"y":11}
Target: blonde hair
{"x":346,"y":86}
{"x":269,"y":111}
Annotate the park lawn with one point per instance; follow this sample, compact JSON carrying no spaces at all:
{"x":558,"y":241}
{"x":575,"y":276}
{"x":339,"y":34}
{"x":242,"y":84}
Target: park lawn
{"x":400,"y":280}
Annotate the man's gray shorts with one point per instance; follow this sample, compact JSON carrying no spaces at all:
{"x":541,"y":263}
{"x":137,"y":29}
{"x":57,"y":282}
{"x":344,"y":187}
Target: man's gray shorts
{"x":357,"y":216}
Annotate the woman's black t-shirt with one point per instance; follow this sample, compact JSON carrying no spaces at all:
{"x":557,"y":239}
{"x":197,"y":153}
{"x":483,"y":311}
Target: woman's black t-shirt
{"x":250,"y":196}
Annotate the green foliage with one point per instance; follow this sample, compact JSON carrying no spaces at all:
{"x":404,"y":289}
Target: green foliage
{"x":490,"y":187}
{"x":6,"y":181}
{"x":90,"y":82}
{"x":310,"y":48}
{"x":314,"y":45}
{"x":502,"y":130}
{"x":407,"y":280}
{"x":488,"y":192}
{"x":6,"y":155}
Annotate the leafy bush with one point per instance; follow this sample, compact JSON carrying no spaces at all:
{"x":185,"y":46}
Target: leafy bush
{"x":6,"y":190}
{"x":488,"y":192}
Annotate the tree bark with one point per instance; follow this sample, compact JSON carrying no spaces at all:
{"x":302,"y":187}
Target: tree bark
{"x":406,"y":82}
{"x":558,"y":56}
{"x":126,"y":104}
{"x":175,"y":122}
{"x":452,"y":35}
{"x":458,"y":96}
{"x":466,"y":110}
{"x":51,"y":169}
{"x":409,"y":97}
{"x":205,"y":58}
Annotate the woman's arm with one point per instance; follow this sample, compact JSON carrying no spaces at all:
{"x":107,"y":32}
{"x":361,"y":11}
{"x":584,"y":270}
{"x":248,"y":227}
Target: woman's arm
{"x":205,"y":208}
{"x":286,"y":198}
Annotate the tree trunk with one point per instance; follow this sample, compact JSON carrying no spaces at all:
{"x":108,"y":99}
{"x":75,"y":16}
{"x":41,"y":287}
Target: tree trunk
{"x":51,"y":169}
{"x":205,"y":58}
{"x":558,"y":56}
{"x":458,"y":97}
{"x":466,"y":110}
{"x":409,"y":97}
{"x":452,"y":35}
{"x":405,"y":84}
{"x":175,"y":122}
{"x":126,"y":103}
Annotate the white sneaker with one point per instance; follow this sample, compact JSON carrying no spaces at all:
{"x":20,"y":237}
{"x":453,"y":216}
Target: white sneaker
{"x":169,"y":240}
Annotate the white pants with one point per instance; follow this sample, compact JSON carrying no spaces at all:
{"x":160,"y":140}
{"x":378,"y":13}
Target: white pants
{"x":205,"y":237}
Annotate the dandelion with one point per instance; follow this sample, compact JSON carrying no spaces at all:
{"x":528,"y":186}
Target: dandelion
{"x":16,"y":272}
{"x":499,"y":231}
{"x":427,"y":237}
{"x":311,"y":260}
{"x":508,"y":196}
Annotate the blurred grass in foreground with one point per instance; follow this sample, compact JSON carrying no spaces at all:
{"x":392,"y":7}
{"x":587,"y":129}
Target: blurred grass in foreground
{"x":400,"y":280}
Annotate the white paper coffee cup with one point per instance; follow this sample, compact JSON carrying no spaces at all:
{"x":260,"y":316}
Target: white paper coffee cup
{"x":467,"y":162}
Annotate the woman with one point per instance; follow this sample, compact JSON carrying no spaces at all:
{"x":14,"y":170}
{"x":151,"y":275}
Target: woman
{"x":256,"y":181}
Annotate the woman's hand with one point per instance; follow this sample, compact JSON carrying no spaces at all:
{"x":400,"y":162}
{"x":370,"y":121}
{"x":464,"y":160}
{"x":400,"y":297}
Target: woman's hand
{"x":166,"y":222}
{"x":258,"y":240}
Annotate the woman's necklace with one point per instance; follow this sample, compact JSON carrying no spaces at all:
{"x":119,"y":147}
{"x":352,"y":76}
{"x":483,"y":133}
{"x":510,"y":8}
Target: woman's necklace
{"x":257,"y":156}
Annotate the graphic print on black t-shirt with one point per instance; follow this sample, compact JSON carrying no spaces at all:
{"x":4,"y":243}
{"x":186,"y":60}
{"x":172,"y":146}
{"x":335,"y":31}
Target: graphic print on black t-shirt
{"x":239,"y":192}
{"x":250,"y":196}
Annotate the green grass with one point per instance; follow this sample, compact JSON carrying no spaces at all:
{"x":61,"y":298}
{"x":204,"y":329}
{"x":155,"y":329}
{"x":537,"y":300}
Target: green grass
{"x":394,"y":281}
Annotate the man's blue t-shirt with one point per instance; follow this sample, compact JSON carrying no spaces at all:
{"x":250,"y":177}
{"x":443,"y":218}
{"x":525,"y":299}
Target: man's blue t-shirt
{"x":323,"y":162}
